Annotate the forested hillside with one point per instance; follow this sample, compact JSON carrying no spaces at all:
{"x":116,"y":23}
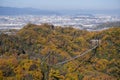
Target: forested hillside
{"x":36,"y":52}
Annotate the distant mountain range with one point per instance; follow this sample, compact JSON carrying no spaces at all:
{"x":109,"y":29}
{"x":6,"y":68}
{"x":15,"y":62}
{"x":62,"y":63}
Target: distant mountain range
{"x":24,"y":11}
{"x":33,"y":11}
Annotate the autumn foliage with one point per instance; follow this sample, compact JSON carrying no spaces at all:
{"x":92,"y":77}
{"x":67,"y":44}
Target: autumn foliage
{"x":33,"y":52}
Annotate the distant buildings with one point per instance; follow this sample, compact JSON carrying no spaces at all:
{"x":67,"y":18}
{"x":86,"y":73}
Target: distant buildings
{"x":79,"y":21}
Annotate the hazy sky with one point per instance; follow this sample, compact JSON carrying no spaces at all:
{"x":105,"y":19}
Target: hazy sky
{"x":63,"y":4}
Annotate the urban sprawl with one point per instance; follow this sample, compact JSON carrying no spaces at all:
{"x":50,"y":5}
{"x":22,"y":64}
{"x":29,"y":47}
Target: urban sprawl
{"x":87,"y":22}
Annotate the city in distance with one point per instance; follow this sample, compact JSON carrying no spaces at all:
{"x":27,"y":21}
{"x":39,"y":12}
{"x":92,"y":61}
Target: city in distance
{"x":16,"y":18}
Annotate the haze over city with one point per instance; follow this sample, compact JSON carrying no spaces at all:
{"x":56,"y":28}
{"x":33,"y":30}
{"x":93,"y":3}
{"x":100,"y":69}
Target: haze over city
{"x":63,"y":4}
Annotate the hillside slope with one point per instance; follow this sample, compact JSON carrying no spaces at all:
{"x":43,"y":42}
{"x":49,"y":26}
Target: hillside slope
{"x":34,"y":51}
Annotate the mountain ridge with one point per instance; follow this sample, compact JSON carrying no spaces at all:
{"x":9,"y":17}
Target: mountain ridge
{"x":24,"y":11}
{"x":34,"y":11}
